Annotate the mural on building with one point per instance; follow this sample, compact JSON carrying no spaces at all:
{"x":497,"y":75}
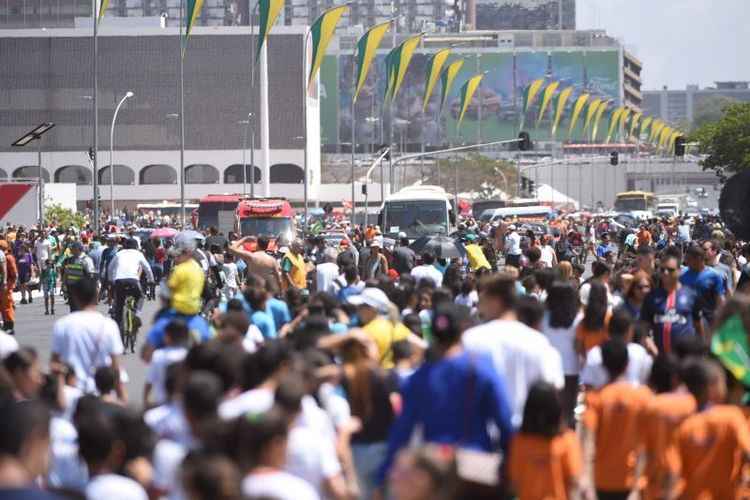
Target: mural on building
{"x":493,"y":114}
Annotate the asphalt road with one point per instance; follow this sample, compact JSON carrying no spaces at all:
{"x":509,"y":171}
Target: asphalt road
{"x":34,"y":329}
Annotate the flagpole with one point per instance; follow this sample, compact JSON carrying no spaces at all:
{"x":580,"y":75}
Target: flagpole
{"x":304,"y":124}
{"x":182,"y":118}
{"x":94,"y":160}
{"x":252,"y":115}
{"x":354,"y":129}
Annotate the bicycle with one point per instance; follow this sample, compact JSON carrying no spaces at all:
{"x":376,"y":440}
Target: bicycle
{"x":130,"y":324}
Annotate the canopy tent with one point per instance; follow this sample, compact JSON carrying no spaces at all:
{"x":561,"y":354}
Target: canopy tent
{"x":547,"y":195}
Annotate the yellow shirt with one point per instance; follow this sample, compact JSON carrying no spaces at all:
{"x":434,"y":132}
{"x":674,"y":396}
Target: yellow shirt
{"x":298,"y":273}
{"x":186,"y":284}
{"x":477,"y":260}
{"x":385,"y":333}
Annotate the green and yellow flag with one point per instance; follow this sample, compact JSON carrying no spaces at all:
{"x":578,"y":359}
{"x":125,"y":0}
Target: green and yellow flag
{"x":647,"y":122}
{"x":577,"y":108}
{"x":663,"y":136}
{"x":529,"y":96}
{"x":390,"y":76}
{"x":614,"y":121}
{"x":193,"y":11}
{"x":322,"y":32}
{"x":672,"y":140}
{"x":434,"y":69}
{"x":269,"y":12}
{"x":656,"y":129}
{"x":467,"y":93}
{"x":548,"y":93}
{"x":400,"y":62}
{"x":562,"y":100}
{"x":367,"y":47}
{"x":447,"y":78}
{"x":598,"y":118}
{"x":634,"y":123}
{"x":101,"y":5}
{"x":624,"y":122}
{"x":590,"y":113}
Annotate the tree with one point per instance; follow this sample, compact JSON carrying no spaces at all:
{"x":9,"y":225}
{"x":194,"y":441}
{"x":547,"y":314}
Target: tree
{"x":711,"y":109}
{"x":62,"y":217}
{"x":476,"y":174}
{"x":727,"y":141}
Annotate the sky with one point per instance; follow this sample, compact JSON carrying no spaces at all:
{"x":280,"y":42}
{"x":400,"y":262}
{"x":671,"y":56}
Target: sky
{"x":680,"y":42}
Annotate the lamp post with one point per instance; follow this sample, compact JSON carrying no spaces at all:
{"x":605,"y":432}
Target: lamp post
{"x":246,"y":123}
{"x":127,"y":96}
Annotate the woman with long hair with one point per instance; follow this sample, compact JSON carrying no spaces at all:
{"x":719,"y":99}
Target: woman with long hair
{"x":592,"y":330}
{"x":370,"y":393}
{"x":635,"y":294}
{"x":559,"y":326}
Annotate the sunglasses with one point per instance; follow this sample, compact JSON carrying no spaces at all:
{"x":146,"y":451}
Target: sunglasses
{"x":669,"y":270}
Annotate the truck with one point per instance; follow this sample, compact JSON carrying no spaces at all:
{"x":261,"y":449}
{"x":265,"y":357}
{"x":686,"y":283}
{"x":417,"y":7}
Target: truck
{"x":671,"y":205}
{"x":273,"y":217}
{"x":417,"y":211}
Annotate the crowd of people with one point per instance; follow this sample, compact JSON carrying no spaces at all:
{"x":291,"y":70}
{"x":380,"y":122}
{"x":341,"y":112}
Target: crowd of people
{"x":570,"y":358}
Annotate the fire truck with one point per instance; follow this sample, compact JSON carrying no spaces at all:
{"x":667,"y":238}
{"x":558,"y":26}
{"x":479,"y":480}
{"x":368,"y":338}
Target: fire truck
{"x":272,"y":217}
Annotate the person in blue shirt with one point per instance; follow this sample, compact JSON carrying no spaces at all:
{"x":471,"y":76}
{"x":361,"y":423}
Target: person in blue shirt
{"x":604,"y":247}
{"x":707,"y":284}
{"x":453,"y":397}
{"x":257,"y":298}
{"x":672,"y":311}
{"x":353,"y":284}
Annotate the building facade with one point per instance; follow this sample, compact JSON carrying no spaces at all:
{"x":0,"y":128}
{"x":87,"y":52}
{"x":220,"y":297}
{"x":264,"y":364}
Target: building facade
{"x":526,"y":14}
{"x":680,"y":106}
{"x":48,"y":78}
{"x":631,"y":81}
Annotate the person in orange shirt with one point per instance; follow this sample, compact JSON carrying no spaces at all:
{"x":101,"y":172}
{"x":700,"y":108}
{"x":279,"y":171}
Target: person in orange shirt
{"x":644,"y":236}
{"x":659,"y":424}
{"x":593,"y":328}
{"x":612,"y":428}
{"x":545,"y":456}
{"x":713,"y":444}
{"x":7,"y":306}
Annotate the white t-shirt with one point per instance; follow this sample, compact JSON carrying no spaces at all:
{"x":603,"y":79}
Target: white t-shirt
{"x":521,"y":355}
{"x":168,"y":422}
{"x":548,"y":255}
{"x":230,"y":274}
{"x":325,"y":275}
{"x":470,"y":300}
{"x":8,"y":344}
{"x":157,"y":370}
{"x":86,"y":340}
{"x":279,"y":485}
{"x":114,"y":487}
{"x":167,"y":458}
{"x":427,"y":271}
{"x":42,"y":248}
{"x":311,"y":455}
{"x":639,"y":367}
{"x":563,"y":339}
{"x":513,"y":243}
{"x":66,"y":469}
{"x":253,"y":401}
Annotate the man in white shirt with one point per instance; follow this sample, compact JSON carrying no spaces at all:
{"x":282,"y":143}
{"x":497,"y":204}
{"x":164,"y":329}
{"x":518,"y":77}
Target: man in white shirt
{"x":42,"y":248}
{"x":125,"y":274}
{"x":427,"y":270}
{"x":327,"y":272}
{"x":595,"y":375}
{"x":87,"y":340}
{"x":513,"y":247}
{"x":521,"y":355}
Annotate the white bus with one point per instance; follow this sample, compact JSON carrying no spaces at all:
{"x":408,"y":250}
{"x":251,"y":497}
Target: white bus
{"x":418,"y":211}
{"x":534,"y":212}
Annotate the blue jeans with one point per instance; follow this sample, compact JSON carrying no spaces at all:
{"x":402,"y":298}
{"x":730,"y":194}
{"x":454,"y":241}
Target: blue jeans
{"x":368,"y":457}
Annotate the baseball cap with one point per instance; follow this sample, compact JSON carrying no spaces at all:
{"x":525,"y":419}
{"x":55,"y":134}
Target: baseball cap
{"x":373,"y":297}
{"x":402,"y":235}
{"x":77,"y":245}
{"x":376,"y":244}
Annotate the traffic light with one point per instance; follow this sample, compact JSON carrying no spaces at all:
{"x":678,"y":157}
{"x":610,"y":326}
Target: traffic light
{"x":532,"y":187}
{"x":524,"y":141}
{"x":364,"y":189}
{"x":524,"y":183}
{"x":679,"y":146}
{"x":614,"y":158}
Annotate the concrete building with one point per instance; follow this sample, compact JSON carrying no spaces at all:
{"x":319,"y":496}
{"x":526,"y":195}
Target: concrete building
{"x":679,"y":106}
{"x":48,"y":77}
{"x":631,"y":83}
{"x":526,"y":14}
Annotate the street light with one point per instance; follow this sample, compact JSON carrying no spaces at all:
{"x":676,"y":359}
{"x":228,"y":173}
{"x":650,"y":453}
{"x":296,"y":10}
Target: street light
{"x":36,"y":135}
{"x":127,"y":96}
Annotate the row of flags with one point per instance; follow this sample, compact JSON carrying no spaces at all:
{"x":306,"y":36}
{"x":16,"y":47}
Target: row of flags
{"x":622,"y":120}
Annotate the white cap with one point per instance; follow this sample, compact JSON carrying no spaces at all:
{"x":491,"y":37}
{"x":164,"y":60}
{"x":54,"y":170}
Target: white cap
{"x":402,"y":235}
{"x":373,"y":297}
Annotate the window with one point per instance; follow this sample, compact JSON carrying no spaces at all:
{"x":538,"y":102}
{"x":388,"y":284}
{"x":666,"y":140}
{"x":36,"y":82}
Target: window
{"x":30,"y":172}
{"x":124,"y":175}
{"x":287,"y":173}
{"x":201,"y":174}
{"x":157,"y":174}
{"x":233,"y":174}
{"x":77,"y":174}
